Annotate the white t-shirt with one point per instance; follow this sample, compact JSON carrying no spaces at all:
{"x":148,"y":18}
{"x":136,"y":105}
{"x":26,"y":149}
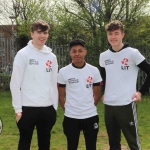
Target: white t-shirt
{"x":121,"y":75}
{"x":79,"y":90}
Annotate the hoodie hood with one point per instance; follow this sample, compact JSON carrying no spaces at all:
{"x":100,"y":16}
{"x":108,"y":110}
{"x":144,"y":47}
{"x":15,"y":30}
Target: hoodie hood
{"x":45,"y":49}
{"x":125,"y":46}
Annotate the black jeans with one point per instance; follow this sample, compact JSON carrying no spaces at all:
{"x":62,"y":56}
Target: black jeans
{"x":72,"y":128}
{"x":43,"y":118}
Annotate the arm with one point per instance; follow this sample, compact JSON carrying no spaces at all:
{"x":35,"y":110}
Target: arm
{"x":54,"y":89}
{"x":144,"y":66}
{"x":96,"y":92}
{"x":61,"y":91}
{"x":103,"y":75}
{"x":15,"y":84}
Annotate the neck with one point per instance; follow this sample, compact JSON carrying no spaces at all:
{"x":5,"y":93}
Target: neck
{"x":78,"y":65}
{"x":37,"y":46}
{"x":118,"y":47}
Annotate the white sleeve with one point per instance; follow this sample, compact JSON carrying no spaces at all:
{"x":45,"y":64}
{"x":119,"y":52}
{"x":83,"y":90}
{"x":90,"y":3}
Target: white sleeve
{"x":60,"y":78}
{"x":138,"y":57}
{"x":98,"y":77}
{"x":54,"y":89}
{"x":15,"y":84}
{"x":101,"y":61}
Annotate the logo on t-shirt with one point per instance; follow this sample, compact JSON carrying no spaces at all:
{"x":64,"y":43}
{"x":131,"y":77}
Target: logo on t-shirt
{"x":109,"y":62}
{"x":33,"y":62}
{"x":73,"y":80}
{"x":125,"y":64}
{"x":48,"y":66}
{"x":89,"y":82}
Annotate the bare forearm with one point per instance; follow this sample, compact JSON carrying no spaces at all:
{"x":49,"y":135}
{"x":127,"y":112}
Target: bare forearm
{"x":97,"y":93}
{"x":96,"y":100}
{"x":62,"y":103}
{"x":61,"y":91}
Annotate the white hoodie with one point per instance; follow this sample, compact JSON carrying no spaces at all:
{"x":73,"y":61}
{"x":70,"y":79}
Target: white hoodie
{"x":34,"y":78}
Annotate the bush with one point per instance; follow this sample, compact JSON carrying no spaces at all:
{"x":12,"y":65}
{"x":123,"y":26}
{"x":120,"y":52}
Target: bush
{"x":4,"y":82}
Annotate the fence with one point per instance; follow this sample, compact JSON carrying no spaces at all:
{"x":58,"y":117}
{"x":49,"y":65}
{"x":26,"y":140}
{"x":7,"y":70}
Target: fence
{"x":8,"y":49}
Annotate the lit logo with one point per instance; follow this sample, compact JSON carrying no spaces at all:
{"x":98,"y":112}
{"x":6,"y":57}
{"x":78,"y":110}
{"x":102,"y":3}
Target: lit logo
{"x":49,"y":66}
{"x":89,"y":81}
{"x":125,"y":64}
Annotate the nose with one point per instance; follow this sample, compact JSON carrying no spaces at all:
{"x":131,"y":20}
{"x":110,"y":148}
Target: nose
{"x":113,"y":36}
{"x":77,"y":53}
{"x":42,"y":34}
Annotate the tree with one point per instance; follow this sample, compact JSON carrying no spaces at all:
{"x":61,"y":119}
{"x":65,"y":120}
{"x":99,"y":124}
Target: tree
{"x":27,"y":11}
{"x":94,"y":14}
{"x":138,"y":33}
{"x":86,"y":19}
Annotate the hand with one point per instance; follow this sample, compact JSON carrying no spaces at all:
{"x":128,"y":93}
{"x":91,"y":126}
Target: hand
{"x":136,"y":97}
{"x":18,"y":117}
{"x":102,"y":98}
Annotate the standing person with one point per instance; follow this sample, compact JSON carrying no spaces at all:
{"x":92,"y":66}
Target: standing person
{"x":79,"y":82}
{"x":119,"y":67}
{"x":34,"y":88}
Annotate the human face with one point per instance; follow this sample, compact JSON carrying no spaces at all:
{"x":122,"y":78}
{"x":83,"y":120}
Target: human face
{"x":115,"y":39}
{"x":39,"y":38}
{"x":77,"y":54}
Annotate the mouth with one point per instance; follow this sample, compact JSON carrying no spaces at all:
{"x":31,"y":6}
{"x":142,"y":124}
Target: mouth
{"x":42,"y":40}
{"x":77,"y":57}
{"x":113,"y":41}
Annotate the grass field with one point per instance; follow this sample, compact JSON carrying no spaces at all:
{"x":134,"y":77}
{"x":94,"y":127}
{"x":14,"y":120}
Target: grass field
{"x":10,"y":135}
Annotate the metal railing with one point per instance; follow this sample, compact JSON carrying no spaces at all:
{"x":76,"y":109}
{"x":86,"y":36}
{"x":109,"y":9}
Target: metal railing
{"x":63,"y":57}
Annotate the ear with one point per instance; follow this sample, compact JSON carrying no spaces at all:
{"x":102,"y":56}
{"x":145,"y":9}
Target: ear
{"x":31,"y":34}
{"x":85,"y":51}
{"x":70,"y":52}
{"x":123,"y":34}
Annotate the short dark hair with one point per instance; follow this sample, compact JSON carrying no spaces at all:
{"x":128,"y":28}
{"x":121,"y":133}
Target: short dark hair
{"x":114,"y":25}
{"x":77,"y":42}
{"x":40,"y":24}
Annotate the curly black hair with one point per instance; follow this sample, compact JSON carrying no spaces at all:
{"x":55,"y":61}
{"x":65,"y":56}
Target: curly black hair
{"x":77,"y":42}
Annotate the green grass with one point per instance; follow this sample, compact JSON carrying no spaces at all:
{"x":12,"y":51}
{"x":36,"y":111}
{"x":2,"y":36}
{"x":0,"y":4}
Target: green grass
{"x":10,"y":135}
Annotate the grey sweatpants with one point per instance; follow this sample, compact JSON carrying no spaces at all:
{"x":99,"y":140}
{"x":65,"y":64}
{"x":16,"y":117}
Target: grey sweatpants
{"x":123,"y":118}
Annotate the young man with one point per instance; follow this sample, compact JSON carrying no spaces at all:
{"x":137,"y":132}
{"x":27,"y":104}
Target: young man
{"x":34,"y":88}
{"x":79,"y":93}
{"x":119,"y":67}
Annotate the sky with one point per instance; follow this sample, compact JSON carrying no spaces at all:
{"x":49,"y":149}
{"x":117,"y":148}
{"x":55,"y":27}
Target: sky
{"x":4,"y":17}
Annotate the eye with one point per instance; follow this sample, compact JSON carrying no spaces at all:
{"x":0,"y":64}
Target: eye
{"x":45,"y":32}
{"x":39,"y":32}
{"x":74,"y":51}
{"x":109,"y":33}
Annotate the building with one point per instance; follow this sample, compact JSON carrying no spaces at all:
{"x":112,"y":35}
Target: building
{"x":7,"y":48}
